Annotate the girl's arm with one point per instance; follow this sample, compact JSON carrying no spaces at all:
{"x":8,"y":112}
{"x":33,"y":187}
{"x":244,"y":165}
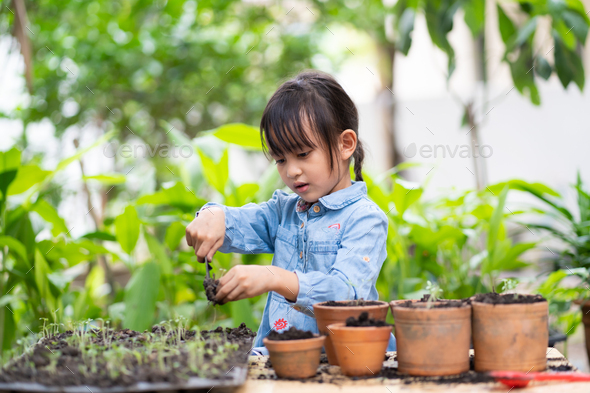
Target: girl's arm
{"x":352,"y":276}
{"x":247,"y":229}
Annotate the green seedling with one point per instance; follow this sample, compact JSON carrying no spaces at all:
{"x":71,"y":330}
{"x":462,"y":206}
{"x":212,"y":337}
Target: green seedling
{"x":434,"y":293}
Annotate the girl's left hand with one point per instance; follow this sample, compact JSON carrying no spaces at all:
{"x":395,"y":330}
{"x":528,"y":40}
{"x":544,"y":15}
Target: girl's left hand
{"x":246,"y":281}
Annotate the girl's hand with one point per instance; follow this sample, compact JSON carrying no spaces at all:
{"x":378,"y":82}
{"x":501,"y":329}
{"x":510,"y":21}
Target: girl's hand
{"x":206,"y":233}
{"x":245,"y":281}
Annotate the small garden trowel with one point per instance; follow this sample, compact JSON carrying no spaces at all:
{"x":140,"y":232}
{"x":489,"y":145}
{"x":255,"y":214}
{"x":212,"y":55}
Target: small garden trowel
{"x":516,"y":379}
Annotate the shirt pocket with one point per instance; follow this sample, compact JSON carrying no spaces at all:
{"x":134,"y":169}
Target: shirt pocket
{"x":285,"y":249}
{"x":322,"y":255}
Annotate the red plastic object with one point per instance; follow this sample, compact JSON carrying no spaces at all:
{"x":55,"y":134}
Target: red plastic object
{"x":516,"y":379}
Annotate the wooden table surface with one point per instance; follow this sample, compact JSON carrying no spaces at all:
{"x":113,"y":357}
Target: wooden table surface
{"x":262,"y":379}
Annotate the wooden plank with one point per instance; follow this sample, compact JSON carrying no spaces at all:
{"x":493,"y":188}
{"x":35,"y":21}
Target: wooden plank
{"x":262,"y":379}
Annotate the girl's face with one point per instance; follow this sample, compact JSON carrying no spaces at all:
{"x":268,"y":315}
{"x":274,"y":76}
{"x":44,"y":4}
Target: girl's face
{"x":307,"y":172}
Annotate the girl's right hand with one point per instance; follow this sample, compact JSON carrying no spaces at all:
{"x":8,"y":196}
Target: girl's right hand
{"x":206,"y":233}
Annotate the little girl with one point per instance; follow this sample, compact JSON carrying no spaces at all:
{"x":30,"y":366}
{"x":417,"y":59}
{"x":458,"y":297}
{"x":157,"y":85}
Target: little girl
{"x":328,"y":238}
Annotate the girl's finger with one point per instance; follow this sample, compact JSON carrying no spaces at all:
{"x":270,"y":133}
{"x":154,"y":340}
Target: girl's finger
{"x":214,"y":249}
{"x":224,"y":289}
{"x":203,"y":250}
{"x":235,"y":293}
{"x":189,"y":239}
{"x":225,"y":279}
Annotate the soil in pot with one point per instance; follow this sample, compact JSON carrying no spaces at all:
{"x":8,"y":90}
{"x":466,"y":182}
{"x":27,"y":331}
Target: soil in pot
{"x":294,"y":354}
{"x":106,"y":358}
{"x":292,"y":334}
{"x":510,"y":332}
{"x":351,"y":303}
{"x":211,"y":285}
{"x":507,"y":298}
{"x":433,"y":338}
{"x":364,"y":320}
{"x":330,"y":312}
{"x":360,"y":348}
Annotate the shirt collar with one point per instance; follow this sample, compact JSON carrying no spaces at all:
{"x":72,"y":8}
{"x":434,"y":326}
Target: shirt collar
{"x":338,"y":199}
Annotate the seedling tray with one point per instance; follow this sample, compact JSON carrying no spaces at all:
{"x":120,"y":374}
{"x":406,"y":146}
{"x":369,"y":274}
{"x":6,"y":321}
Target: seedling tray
{"x":16,"y":376}
{"x":236,"y":377}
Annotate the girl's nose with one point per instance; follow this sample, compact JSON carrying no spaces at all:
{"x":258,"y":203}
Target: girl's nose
{"x":293,"y":171}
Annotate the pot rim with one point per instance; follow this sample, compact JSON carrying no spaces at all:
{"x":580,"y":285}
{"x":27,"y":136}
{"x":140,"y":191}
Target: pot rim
{"x":472,"y":298}
{"x":342,"y":326}
{"x":302,"y":344}
{"x":396,"y":304}
{"x":374,"y":306}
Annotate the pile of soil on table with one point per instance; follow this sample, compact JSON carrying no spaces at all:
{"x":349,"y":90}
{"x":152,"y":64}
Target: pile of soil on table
{"x":332,"y":375}
{"x":352,"y":303}
{"x":364,"y":320}
{"x":439,"y":303}
{"x":292,"y":334}
{"x":107,"y":358}
{"x":211,"y":285}
{"x":508,"y":298}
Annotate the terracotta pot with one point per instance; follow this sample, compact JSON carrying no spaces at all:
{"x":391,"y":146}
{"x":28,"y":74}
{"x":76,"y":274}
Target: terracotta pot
{"x":295,"y":358}
{"x":360,"y":350}
{"x":586,"y":320}
{"x":432,"y":341}
{"x":326,"y":315}
{"x":511,"y":337}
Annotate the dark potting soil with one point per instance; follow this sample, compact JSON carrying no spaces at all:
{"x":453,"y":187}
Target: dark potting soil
{"x":211,"y":285}
{"x":468,"y":377}
{"x":440,"y":303}
{"x":364,"y":320}
{"x":292,"y":334}
{"x":352,"y":303}
{"x":58,"y":361}
{"x":508,"y":298}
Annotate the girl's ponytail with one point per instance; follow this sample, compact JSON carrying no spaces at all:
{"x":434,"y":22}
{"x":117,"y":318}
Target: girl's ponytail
{"x":358,"y":156}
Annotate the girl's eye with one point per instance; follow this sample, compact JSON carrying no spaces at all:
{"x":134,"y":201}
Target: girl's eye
{"x":279,"y":161}
{"x":303,"y":154}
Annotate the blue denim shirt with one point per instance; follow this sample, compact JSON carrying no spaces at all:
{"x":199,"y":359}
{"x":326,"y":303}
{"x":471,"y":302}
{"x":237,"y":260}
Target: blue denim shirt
{"x":336,"y":247}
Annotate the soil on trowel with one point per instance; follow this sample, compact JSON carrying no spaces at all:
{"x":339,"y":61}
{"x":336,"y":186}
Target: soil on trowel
{"x":211,"y":285}
{"x":352,"y":303}
{"x":292,"y":334}
{"x":364,"y":320}
{"x":438,"y":303}
{"x":508,"y":298}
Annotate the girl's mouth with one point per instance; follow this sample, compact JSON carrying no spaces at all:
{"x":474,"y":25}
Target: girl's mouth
{"x":302,"y":188}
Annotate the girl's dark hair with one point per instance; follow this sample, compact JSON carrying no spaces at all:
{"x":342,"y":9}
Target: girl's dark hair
{"x":311,"y":98}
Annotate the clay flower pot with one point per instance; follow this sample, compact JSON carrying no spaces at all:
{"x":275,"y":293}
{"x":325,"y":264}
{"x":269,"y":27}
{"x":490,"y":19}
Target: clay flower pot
{"x":585,"y":307}
{"x":432,"y":341}
{"x":326,"y":315}
{"x":360,"y":350}
{"x":510,"y":337}
{"x":295,"y":359}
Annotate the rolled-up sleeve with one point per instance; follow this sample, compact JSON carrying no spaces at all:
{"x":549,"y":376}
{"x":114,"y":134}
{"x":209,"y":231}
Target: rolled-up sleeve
{"x":358,"y":262}
{"x":250,"y":228}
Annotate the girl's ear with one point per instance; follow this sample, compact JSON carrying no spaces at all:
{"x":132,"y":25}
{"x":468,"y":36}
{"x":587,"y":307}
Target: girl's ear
{"x":348,"y":141}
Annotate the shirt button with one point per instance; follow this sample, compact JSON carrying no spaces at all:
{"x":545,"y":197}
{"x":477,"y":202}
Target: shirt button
{"x":301,"y":225}
{"x":316,"y":208}
{"x":301,"y":254}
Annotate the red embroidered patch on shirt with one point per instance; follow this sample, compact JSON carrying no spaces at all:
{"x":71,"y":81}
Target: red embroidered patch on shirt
{"x":336,"y":226}
{"x":280,"y":324}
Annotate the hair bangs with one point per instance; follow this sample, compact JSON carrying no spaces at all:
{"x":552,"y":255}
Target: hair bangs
{"x":286,"y":119}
